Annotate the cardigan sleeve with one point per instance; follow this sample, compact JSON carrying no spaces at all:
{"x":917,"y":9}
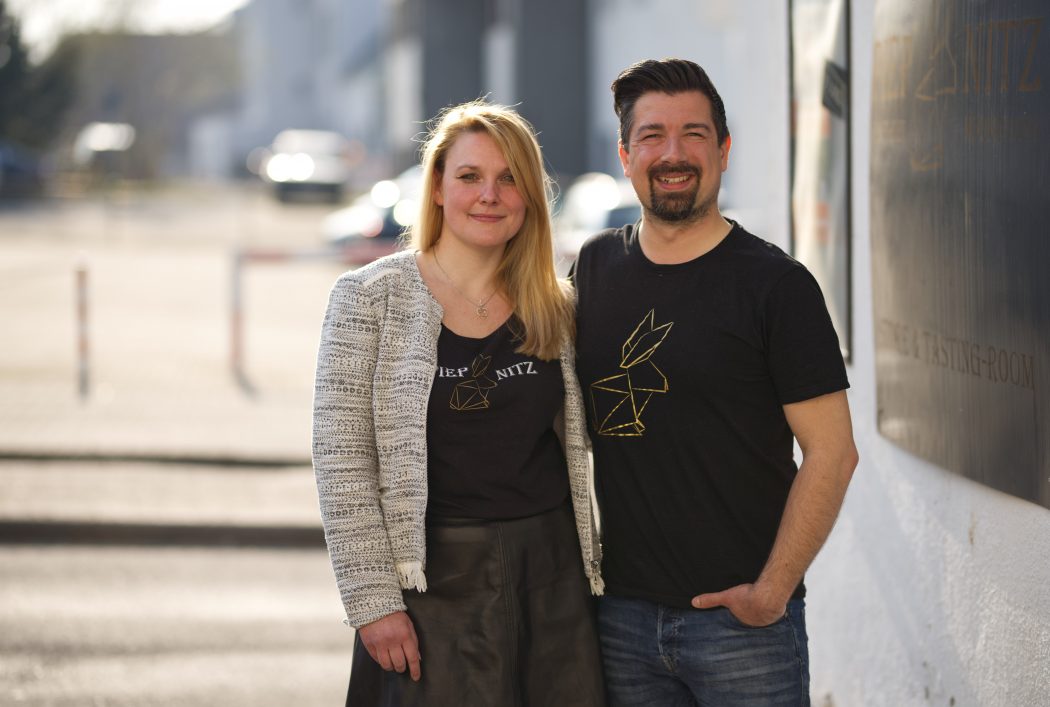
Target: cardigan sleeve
{"x":345,"y":457}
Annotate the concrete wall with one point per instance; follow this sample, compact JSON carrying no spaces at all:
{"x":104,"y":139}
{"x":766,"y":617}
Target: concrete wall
{"x":279,"y":54}
{"x":451,"y":32}
{"x":932,"y":589}
{"x":551,"y":73}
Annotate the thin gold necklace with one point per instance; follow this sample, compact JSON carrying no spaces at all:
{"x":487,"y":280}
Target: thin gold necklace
{"x":479,"y":307}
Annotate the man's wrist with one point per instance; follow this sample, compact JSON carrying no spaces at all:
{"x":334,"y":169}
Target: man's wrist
{"x":770,"y":592}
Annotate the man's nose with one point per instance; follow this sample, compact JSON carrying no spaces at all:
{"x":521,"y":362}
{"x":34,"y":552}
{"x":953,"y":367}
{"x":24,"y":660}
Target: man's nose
{"x":673,"y":150}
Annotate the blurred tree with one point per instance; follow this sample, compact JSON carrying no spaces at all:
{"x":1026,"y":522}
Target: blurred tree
{"x":14,"y":69}
{"x":33,"y":99}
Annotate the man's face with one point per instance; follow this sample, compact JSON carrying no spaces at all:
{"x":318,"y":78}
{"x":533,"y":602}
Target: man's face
{"x":673,"y":157}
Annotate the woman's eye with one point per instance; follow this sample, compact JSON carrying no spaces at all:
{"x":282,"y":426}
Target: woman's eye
{"x":507,"y":179}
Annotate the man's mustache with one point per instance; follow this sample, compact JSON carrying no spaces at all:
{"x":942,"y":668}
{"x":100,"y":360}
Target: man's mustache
{"x":680,"y":168}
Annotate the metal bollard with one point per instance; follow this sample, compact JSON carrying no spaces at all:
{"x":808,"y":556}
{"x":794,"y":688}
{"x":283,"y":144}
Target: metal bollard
{"x":83,"y":377}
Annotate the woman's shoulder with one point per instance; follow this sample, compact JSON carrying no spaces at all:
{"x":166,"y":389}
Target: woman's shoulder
{"x":382,"y":273}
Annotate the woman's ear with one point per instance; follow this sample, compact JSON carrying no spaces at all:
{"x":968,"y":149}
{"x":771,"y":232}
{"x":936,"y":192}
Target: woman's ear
{"x":439,"y":198}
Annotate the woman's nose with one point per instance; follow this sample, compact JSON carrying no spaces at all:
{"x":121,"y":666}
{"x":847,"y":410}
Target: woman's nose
{"x":489,"y":192}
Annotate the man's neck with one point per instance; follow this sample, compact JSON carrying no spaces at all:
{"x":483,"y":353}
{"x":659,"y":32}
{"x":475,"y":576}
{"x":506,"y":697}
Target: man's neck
{"x":669,"y":243}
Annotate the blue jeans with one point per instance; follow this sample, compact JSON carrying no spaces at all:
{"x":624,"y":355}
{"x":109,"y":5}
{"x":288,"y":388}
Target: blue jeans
{"x":659,"y":655}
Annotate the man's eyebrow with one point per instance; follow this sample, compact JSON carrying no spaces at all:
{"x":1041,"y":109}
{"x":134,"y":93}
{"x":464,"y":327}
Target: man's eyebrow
{"x":659,"y":127}
{"x":650,"y":126}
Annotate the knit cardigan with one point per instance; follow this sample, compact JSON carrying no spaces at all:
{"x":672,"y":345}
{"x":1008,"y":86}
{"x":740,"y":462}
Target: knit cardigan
{"x":375,"y":368}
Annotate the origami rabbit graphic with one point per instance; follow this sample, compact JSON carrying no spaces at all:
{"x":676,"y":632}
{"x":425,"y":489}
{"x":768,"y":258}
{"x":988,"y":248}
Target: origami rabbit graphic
{"x":618,"y":401}
{"x":473,"y":393}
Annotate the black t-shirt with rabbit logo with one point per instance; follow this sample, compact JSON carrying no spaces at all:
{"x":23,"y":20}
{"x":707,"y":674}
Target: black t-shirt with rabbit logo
{"x":491,"y":448}
{"x":686,"y":370}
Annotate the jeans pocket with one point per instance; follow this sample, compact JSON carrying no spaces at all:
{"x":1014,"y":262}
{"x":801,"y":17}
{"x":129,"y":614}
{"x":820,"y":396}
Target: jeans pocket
{"x":737,"y":623}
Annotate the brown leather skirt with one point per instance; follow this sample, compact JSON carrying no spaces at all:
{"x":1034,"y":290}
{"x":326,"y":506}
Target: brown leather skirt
{"x":507,"y":620}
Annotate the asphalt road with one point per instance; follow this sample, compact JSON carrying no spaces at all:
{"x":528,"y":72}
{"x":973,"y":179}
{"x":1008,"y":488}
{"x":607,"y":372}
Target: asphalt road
{"x":136,"y":583}
{"x":170,"y":626}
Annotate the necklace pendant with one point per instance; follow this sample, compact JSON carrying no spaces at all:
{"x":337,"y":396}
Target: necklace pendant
{"x":481,"y":311}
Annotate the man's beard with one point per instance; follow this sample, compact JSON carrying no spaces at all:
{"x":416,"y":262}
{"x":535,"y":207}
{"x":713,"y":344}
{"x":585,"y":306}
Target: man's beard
{"x":679,"y":207}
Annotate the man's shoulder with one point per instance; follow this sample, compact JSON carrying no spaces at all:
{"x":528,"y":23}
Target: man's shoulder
{"x":746,"y":243}
{"x":759,"y":257}
{"x":611,"y":242}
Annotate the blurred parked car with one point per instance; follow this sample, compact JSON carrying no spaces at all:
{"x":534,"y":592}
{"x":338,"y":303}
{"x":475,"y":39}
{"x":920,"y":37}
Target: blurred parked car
{"x":371,"y":226}
{"x":307,"y":161}
{"x":593,"y":202}
{"x":21,"y":174}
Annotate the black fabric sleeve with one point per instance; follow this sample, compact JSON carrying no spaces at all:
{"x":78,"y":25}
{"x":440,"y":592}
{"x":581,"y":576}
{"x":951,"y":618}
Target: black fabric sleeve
{"x":802,"y":348}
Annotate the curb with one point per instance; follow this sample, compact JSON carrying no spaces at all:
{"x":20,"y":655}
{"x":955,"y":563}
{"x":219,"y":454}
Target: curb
{"x":187,"y":459}
{"x":15,"y":532}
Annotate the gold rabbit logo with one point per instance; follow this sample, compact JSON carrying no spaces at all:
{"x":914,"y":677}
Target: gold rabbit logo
{"x":619,"y":401}
{"x":473,"y":393}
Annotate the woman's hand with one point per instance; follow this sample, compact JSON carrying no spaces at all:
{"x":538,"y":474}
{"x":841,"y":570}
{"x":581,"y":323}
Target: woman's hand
{"x":392,"y":642}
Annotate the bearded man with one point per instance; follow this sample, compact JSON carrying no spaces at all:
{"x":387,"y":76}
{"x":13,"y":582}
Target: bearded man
{"x":704,"y":353}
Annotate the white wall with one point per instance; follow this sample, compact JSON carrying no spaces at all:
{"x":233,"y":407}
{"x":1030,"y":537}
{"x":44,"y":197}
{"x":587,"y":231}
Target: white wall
{"x":932,"y":589}
{"x":210,"y":149}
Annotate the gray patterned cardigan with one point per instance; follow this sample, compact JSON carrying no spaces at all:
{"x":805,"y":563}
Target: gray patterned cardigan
{"x":375,"y":368}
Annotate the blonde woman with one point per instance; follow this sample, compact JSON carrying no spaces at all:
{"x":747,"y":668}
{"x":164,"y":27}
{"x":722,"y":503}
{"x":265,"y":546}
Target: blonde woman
{"x":449,"y":443}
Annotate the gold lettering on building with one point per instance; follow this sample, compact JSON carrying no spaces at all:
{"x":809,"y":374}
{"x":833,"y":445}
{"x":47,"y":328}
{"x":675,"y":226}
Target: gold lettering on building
{"x":989,"y":362}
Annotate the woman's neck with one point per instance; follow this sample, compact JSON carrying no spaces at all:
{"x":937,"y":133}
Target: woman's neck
{"x":472,"y":271}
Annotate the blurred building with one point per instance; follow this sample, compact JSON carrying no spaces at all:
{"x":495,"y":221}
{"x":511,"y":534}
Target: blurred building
{"x":533,"y":54}
{"x":159,"y":84}
{"x":312,"y":64}
{"x":376,"y":71}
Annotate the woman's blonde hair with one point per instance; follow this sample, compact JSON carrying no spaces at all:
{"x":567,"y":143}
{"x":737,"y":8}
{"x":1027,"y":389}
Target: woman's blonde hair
{"x":542,"y":304}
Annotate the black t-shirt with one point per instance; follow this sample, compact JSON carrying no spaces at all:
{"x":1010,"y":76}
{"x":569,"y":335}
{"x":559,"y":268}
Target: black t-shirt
{"x":491,"y":448}
{"x":685,"y":369}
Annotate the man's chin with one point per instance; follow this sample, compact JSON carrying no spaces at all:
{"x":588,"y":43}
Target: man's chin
{"x":680,"y":213}
{"x":675,"y":211}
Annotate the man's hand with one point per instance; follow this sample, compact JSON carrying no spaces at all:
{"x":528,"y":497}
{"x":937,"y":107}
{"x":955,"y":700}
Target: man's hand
{"x":392,"y":642}
{"x":747,"y":602}
{"x":825,"y":435}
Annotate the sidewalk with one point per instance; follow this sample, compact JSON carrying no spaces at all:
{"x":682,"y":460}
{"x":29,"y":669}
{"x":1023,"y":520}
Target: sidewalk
{"x":143,"y":504}
{"x":167,"y":446}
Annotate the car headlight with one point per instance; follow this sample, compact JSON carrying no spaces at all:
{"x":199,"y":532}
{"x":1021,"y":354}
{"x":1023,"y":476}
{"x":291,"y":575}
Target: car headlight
{"x":302,"y":167}
{"x":385,"y":194}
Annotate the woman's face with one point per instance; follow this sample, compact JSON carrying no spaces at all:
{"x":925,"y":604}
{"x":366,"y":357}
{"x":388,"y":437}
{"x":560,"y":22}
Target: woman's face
{"x":477,"y":193}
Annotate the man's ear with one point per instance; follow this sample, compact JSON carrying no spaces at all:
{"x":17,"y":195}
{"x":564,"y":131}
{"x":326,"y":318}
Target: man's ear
{"x":725,"y":152}
{"x":624,"y":159}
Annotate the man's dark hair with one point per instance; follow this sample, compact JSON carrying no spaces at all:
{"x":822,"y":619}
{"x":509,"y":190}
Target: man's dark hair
{"x":668,"y":76}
